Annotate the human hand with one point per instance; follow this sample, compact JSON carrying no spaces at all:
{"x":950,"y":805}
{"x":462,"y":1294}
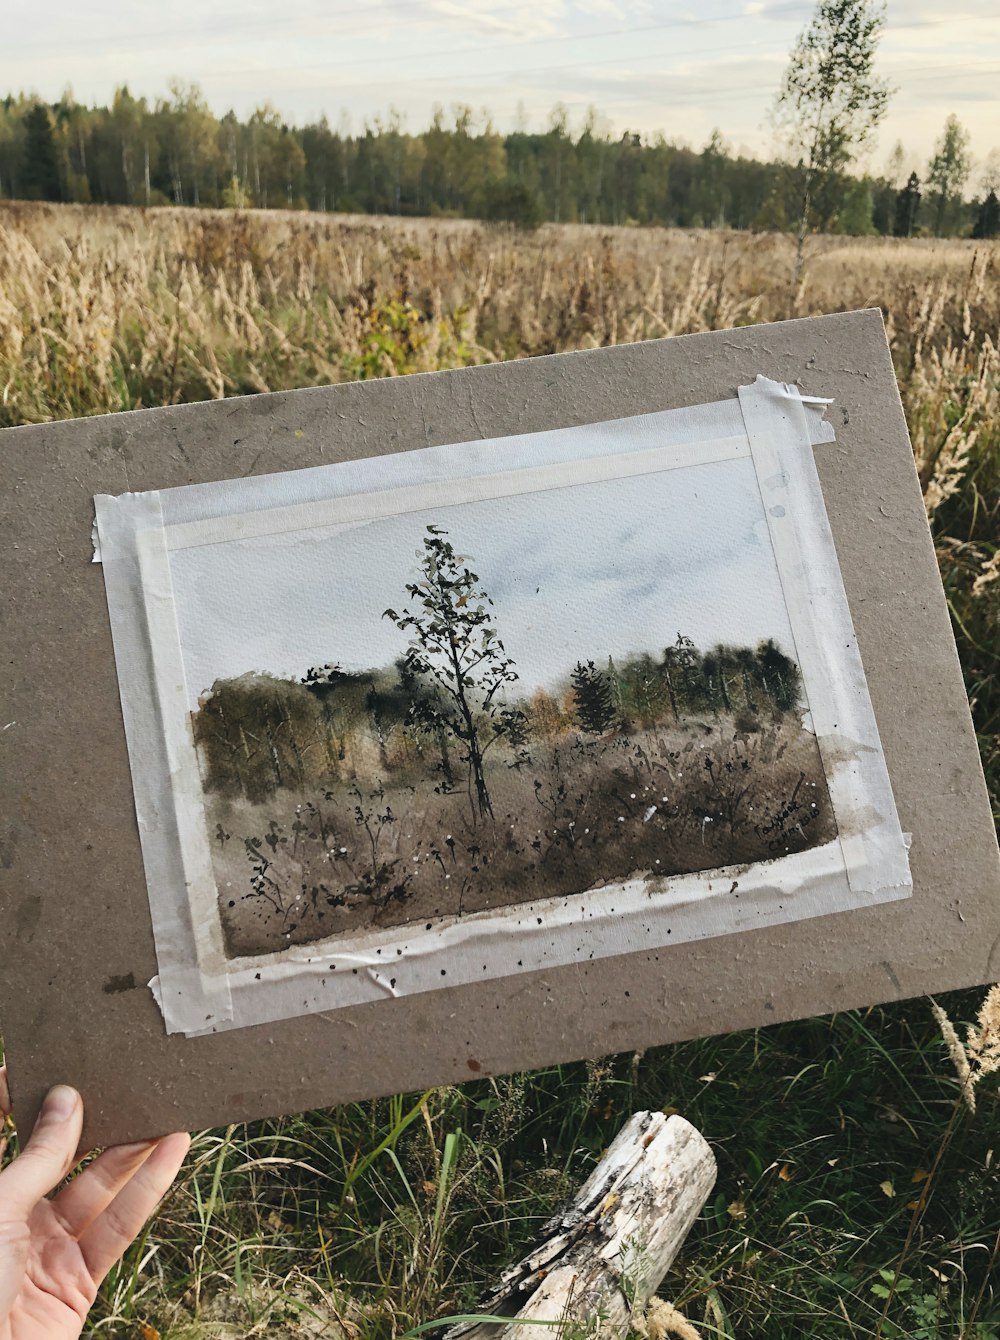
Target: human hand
{"x":54,"y":1253}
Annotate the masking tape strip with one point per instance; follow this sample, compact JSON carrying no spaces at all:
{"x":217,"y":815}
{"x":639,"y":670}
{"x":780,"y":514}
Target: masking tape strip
{"x":144,"y":632}
{"x":826,"y":647}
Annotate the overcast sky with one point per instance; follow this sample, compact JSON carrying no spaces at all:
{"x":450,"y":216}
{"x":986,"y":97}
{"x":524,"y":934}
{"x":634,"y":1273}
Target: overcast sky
{"x":680,"y":66}
{"x":577,"y":573}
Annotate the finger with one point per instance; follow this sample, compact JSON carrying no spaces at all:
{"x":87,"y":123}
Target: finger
{"x":108,"y":1236}
{"x":90,"y":1193}
{"x":47,"y":1157}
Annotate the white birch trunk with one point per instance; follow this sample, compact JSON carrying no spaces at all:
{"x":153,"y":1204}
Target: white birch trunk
{"x":604,"y":1256}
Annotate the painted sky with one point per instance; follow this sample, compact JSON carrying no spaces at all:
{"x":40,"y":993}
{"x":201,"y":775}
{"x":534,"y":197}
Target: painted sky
{"x":645,"y":65}
{"x":577,"y":573}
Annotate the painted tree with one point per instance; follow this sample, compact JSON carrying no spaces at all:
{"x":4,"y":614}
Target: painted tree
{"x":546,"y":720}
{"x":716,"y":667}
{"x":424,"y":705}
{"x":679,"y":664}
{"x":779,"y":675}
{"x":831,"y":100}
{"x":454,"y":647}
{"x":336,"y":692}
{"x":648,"y":693}
{"x":256,"y":735}
{"x":749,"y":670}
{"x":616,"y":688}
{"x":595,"y":708}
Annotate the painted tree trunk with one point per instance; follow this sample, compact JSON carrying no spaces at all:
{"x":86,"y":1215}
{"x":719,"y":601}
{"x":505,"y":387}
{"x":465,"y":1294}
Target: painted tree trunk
{"x":605,"y":1255}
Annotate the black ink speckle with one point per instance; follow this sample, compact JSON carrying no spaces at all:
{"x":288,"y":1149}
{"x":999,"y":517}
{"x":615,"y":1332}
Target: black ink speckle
{"x":114,"y":985}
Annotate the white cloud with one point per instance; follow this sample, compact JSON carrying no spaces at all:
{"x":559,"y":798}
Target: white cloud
{"x":644,"y":64}
{"x":516,"y":22}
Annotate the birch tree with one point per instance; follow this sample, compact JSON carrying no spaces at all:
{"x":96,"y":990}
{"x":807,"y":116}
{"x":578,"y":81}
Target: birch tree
{"x":831,"y":100}
{"x":948,"y":170}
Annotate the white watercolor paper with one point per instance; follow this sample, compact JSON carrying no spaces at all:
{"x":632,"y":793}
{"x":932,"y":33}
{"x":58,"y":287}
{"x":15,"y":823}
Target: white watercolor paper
{"x":661,"y":729}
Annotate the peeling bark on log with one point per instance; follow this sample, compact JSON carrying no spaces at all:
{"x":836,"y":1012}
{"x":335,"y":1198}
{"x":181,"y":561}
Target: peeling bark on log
{"x":604,"y":1256}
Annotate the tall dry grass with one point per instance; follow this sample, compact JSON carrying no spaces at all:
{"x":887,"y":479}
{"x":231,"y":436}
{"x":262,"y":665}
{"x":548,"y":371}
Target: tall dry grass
{"x":111,"y":309}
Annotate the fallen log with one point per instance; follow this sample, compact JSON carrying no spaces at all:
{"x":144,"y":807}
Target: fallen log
{"x":604,"y":1256}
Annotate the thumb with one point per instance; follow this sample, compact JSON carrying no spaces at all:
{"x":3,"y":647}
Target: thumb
{"x":46,"y":1158}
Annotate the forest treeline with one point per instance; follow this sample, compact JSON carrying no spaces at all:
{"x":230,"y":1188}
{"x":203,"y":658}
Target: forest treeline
{"x":177,"y":151}
{"x":258,"y":734}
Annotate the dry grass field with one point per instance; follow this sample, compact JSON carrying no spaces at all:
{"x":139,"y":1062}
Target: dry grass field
{"x":110,"y":309}
{"x":857,"y":1197}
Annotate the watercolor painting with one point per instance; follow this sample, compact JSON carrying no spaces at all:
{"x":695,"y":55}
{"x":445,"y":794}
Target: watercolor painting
{"x":495,"y":702}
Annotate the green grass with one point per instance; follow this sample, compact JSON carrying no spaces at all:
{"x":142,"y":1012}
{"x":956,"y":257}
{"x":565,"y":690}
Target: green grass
{"x":393,"y":1212}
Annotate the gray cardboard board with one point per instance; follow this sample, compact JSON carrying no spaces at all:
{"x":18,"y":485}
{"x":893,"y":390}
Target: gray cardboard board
{"x":76,"y":946}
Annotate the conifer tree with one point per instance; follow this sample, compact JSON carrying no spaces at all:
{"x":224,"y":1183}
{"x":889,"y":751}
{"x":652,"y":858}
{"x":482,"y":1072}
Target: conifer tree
{"x":40,"y":178}
{"x":907,"y":207}
{"x":988,"y":218}
{"x":595,"y":709}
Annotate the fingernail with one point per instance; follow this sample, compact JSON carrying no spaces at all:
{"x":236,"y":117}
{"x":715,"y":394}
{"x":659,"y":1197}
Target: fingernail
{"x":60,"y":1103}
